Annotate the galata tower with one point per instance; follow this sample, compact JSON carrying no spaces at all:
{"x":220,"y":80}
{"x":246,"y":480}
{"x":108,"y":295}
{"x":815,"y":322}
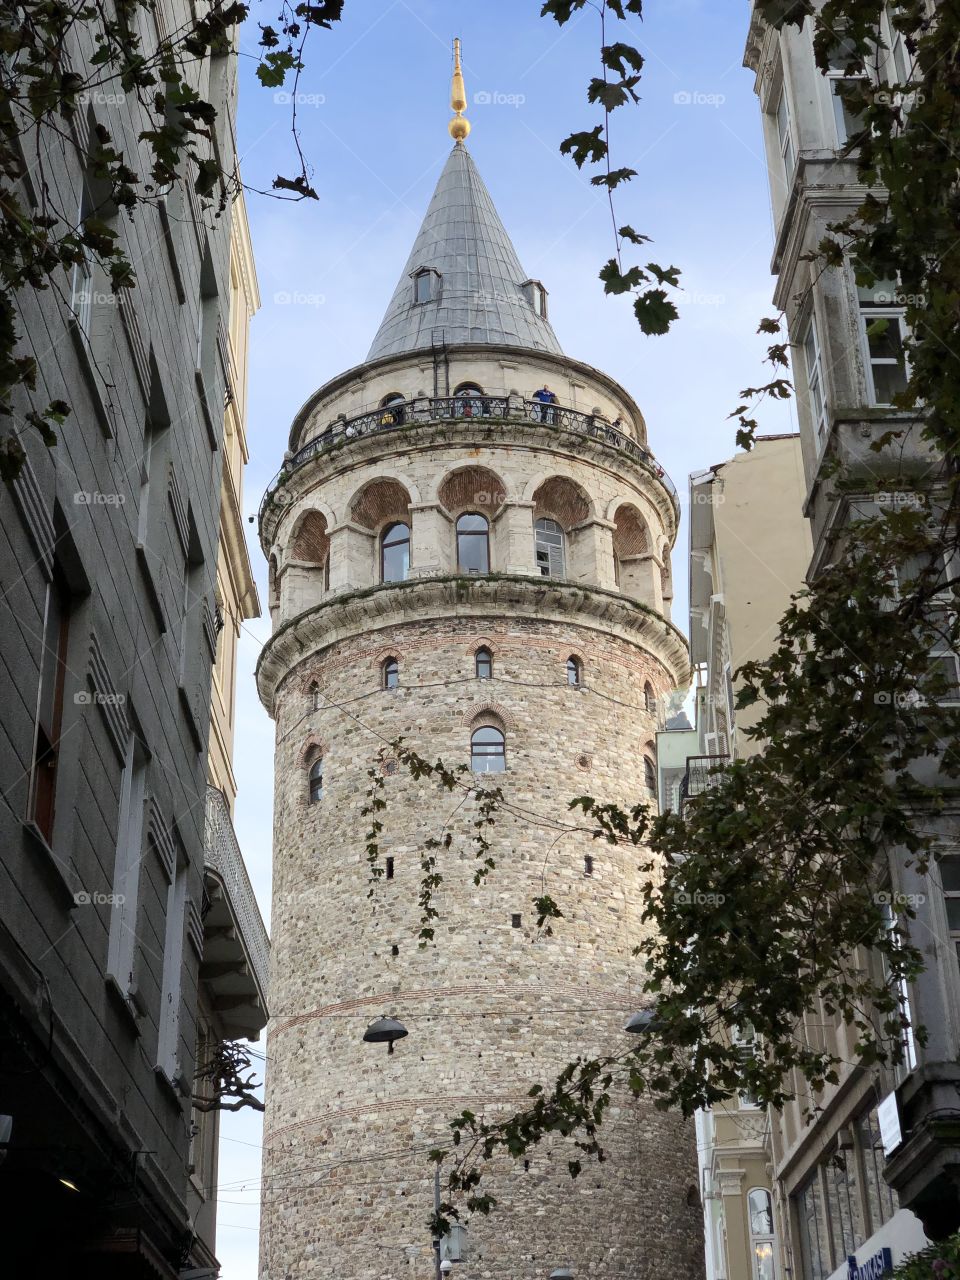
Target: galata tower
{"x":480,"y":566}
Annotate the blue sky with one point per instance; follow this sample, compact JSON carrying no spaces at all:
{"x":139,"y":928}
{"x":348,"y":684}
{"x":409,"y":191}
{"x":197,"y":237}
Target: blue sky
{"x":373,"y":113}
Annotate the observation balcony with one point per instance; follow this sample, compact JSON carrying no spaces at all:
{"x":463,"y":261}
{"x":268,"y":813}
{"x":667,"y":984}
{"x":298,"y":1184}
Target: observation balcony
{"x":492,"y":410}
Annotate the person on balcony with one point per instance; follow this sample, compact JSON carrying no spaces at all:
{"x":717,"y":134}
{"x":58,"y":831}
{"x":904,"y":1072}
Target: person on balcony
{"x":546,"y":397}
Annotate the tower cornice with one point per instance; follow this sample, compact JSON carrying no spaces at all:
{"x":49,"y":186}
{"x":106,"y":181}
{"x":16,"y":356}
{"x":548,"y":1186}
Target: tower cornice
{"x":496,"y":595}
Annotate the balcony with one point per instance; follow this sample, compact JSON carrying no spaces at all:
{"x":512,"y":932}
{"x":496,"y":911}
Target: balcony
{"x":702,"y":773}
{"x":236,"y":949}
{"x":492,"y":410}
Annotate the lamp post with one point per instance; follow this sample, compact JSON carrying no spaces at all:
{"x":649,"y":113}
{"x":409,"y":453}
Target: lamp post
{"x":642,"y":1023}
{"x":561,"y":1273}
{"x":385,"y":1031}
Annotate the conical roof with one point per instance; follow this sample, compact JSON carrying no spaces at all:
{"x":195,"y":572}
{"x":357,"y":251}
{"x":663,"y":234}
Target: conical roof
{"x":479,"y":295}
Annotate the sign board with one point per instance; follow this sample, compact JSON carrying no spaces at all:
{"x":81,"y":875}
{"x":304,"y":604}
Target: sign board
{"x":875,"y":1267}
{"x":888,"y":1117}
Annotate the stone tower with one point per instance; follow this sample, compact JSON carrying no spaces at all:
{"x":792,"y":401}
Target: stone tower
{"x":457,"y":562}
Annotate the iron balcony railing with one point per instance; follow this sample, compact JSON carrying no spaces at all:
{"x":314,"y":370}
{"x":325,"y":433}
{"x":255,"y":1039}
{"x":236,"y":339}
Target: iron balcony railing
{"x":702,"y":773}
{"x":222,"y":855}
{"x":489,"y":409}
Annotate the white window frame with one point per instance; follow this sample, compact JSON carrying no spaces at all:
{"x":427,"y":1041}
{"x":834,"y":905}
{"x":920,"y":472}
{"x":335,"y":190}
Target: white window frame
{"x":816,"y":387}
{"x":553,"y":563}
{"x":762,"y":1237}
{"x":171,"y":998}
{"x":121,"y":945}
{"x":788,"y":153}
{"x":867,"y":314}
{"x":746,"y":1046}
{"x":909,"y":1062}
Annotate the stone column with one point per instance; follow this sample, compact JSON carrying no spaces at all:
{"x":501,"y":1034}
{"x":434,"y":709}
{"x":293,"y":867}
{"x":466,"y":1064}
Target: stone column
{"x":591,"y":554}
{"x":352,"y":557}
{"x":433,"y":548}
{"x":512,"y":547}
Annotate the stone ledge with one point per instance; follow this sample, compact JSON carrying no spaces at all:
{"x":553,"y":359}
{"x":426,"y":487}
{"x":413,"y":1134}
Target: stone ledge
{"x":420,"y":599}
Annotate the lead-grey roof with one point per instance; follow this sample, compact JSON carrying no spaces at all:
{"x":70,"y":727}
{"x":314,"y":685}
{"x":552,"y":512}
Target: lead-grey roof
{"x":480,"y":300}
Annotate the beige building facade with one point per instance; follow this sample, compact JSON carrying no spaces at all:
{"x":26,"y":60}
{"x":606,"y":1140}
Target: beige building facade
{"x":749,"y":549}
{"x":485,"y":574}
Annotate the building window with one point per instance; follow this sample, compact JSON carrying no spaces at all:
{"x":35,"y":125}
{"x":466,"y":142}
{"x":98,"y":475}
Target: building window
{"x":881,"y":1198}
{"x":785,"y":137}
{"x":473,"y":544}
{"x":395,"y":553}
{"x":390,"y":673}
{"x":814,"y":1245}
{"x":814,"y":370}
{"x":313,"y":695}
{"x":884,"y":335}
{"x":536,"y":296}
{"x":574,"y":672}
{"x":588,"y":864}
{"x":121,"y":946}
{"x":469,"y":401}
{"x":426,"y":285}
{"x":760,"y":1209}
{"x":908,"y":1048}
{"x":81,"y":300}
{"x":649,"y":699}
{"x":516,"y":921}
{"x":484,"y":664}
{"x":548,"y":538}
{"x":53,"y":672}
{"x":168,"y":1037}
{"x":950,"y":881}
{"x":649,"y":774}
{"x":392,"y":410}
{"x":488,"y":752}
{"x":843,"y":89}
{"x":843,"y":1204}
{"x":389,"y":868}
{"x":901,"y":68}
{"x":315,"y":780}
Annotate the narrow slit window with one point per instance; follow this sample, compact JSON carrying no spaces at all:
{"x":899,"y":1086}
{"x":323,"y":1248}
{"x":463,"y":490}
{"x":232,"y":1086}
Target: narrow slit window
{"x":316,"y":781}
{"x":588,"y":864}
{"x":574,"y":672}
{"x":389,"y":868}
{"x":390,"y":676}
{"x":516,"y":920}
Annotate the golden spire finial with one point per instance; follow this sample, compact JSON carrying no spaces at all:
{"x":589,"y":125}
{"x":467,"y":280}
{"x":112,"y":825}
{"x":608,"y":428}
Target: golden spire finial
{"x":459,"y":125}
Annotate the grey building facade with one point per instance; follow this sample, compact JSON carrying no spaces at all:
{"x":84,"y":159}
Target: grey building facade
{"x":879,"y":1168}
{"x":108,"y":563}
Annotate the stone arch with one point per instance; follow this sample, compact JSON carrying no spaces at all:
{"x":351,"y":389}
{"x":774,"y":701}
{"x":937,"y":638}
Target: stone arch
{"x":481,"y":642}
{"x":484,"y":715}
{"x":310,"y":542}
{"x":311,"y":749}
{"x":562,"y":499}
{"x":631,"y":534}
{"x":379,"y":502}
{"x":471,"y":488}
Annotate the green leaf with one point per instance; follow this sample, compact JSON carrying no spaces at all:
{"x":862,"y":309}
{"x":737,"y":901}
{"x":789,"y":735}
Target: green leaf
{"x":655,"y":312}
{"x":588,"y":145}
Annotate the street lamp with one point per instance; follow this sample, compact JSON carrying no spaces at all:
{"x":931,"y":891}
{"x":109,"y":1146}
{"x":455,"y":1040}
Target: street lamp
{"x":642,"y":1023}
{"x":561,"y":1273}
{"x":446,"y":1266}
{"x":385,"y":1031}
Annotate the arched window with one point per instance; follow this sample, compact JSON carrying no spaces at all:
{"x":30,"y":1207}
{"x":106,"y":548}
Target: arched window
{"x":473,"y":543}
{"x":760,"y":1209}
{"x":488,"y":750}
{"x":390,"y":673}
{"x":395,"y":553}
{"x":470,"y":403}
{"x":574,"y":671}
{"x":649,"y":773}
{"x":484,"y":664}
{"x":392,"y":410}
{"x":313,"y":693}
{"x":316,"y":780}
{"x":649,"y":699}
{"x":548,"y":536}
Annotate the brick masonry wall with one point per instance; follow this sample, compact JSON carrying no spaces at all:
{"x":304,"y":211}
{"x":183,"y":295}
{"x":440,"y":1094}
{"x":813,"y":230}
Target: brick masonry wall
{"x":491,"y":1009}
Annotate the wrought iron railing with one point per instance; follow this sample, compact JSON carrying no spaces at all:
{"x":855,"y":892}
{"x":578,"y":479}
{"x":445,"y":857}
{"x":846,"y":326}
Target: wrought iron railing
{"x":703,"y":772}
{"x":491,"y":409}
{"x":222,"y":855}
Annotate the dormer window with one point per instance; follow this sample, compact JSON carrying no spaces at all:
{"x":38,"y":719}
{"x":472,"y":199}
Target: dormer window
{"x":426,"y":285}
{"x":536,"y":296}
